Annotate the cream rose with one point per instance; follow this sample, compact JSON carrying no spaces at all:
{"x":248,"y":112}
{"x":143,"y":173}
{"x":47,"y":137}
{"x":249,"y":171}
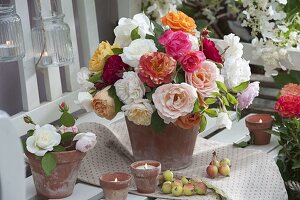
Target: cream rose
{"x":86,"y":141}
{"x":174,"y":100}
{"x":131,"y":55}
{"x":204,"y":79}
{"x":103,"y":104}
{"x":130,"y":88}
{"x":43,"y":140}
{"x":139,"y":112}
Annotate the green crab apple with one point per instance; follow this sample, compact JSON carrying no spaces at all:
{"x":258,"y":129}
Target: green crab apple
{"x":225,"y":161}
{"x":177,"y":182}
{"x":224,"y":170}
{"x":167,"y":187}
{"x":177,"y":191}
{"x":200,"y":188}
{"x":212,"y":171}
{"x":188,"y":189}
{"x":184,"y":180}
{"x":168,"y":175}
{"x":214,"y":160}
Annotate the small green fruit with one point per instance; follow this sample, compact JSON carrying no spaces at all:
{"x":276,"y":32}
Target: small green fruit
{"x":200,"y":188}
{"x":188,"y":189}
{"x":177,"y":182}
{"x":225,"y":161}
{"x":167,"y":187}
{"x":168,"y":175}
{"x":212,"y":171}
{"x":184,"y":180}
{"x":224,"y":170}
{"x":177,"y":191}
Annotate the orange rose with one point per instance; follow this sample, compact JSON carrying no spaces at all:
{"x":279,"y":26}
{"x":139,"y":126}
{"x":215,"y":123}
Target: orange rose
{"x":188,"y":121}
{"x":178,"y":21}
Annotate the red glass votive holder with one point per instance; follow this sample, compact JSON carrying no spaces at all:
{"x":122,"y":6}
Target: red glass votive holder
{"x":145,"y":174}
{"x":115,"y":185}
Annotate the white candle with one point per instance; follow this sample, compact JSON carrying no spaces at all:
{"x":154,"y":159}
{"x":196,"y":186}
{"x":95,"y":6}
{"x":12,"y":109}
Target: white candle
{"x":260,"y":121}
{"x":116,"y":180}
{"x":146,"y":166}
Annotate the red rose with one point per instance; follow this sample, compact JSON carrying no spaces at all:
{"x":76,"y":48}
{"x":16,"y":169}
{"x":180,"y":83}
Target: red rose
{"x":288,"y":106}
{"x":113,"y":69}
{"x":192,"y":60}
{"x":210,"y":50}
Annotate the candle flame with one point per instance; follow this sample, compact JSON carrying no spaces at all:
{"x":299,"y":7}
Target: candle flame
{"x":260,"y":121}
{"x":45,"y":53}
{"x":116,"y":179}
{"x":146,"y":166}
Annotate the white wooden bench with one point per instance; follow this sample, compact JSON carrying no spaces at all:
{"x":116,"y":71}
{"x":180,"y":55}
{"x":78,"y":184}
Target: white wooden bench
{"x":46,"y":112}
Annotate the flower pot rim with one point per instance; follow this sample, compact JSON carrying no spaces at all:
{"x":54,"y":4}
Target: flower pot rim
{"x":267,"y":118}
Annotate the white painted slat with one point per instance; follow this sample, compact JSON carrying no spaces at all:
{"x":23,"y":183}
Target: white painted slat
{"x":128,"y":8}
{"x":88,"y":28}
{"x":45,"y":113}
{"x":28,"y":78}
{"x":72,"y":69}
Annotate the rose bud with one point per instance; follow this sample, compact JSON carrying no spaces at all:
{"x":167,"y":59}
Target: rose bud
{"x":104,"y":105}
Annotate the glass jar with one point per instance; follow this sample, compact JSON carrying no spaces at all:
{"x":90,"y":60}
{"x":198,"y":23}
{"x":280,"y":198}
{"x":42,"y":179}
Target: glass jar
{"x":51,"y":40}
{"x":11,"y":35}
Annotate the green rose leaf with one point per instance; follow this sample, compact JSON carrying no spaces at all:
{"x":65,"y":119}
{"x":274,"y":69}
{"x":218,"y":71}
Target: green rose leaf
{"x":225,"y":101}
{"x":232,"y":99}
{"x":241,"y":144}
{"x":58,"y":148}
{"x":95,"y":78}
{"x":67,"y":136}
{"x":158,"y":29}
{"x":48,"y":163}
{"x":112,"y":93}
{"x":67,"y":119}
{"x":203,"y":124}
{"x":211,"y":112}
{"x":240,"y":87}
{"x":296,"y":164}
{"x":221,"y":86}
{"x":210,"y":100}
{"x":149,"y":94}
{"x":135,"y":34}
{"x":197,"y":107}
{"x":216,"y":94}
{"x":117,"y":51}
{"x":150,"y":37}
{"x":30,"y":132}
{"x":157,"y":123}
{"x":179,"y":77}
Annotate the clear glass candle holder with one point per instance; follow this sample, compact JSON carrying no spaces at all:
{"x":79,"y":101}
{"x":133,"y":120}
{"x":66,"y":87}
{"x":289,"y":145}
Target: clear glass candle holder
{"x":52,"y":42}
{"x":11,"y":35}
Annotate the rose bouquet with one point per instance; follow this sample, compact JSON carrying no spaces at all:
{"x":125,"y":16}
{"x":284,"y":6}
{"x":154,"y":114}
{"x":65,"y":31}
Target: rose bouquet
{"x":287,"y":128}
{"x":167,"y":74}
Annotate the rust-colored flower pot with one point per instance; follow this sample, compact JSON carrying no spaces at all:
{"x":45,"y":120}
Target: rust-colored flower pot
{"x":173,"y":147}
{"x":61,"y":182}
{"x":115,"y":185}
{"x":146,"y":177}
{"x":257,"y":125}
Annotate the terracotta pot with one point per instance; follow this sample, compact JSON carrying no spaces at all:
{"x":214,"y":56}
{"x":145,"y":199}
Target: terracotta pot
{"x":115,"y":189}
{"x":257,"y":125}
{"x":173,"y":147}
{"x":61,"y":182}
{"x":146,"y":178}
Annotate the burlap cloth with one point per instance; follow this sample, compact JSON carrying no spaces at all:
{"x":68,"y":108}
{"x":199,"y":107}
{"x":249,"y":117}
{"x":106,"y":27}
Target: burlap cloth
{"x":254,"y":175}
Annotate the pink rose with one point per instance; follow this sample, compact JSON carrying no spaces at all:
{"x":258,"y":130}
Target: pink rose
{"x":246,"y":97}
{"x":174,"y":100}
{"x":176,"y":43}
{"x":210,"y":50}
{"x":204,"y":79}
{"x":86,"y":141}
{"x":64,"y":129}
{"x":192,"y":60}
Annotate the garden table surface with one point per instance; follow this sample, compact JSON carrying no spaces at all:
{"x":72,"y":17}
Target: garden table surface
{"x":236,"y":134}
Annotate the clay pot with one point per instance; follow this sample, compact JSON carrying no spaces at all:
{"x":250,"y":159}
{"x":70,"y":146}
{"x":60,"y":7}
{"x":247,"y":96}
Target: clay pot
{"x":61,"y":182}
{"x":146,"y":178}
{"x":115,"y":189}
{"x":173,"y":147}
{"x":257,"y":125}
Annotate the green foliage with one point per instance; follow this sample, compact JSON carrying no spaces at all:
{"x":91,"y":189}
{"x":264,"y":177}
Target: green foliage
{"x":240,"y":87}
{"x":221,"y":86}
{"x":286,"y":77}
{"x":157,"y":123}
{"x":203,"y":124}
{"x":135,"y":34}
{"x":58,"y":148}
{"x":211,"y":112}
{"x":149,"y":94}
{"x":67,"y":137}
{"x":95,"y":78}
{"x":210,"y":100}
{"x":197,"y":107}
{"x":48,"y":163}
{"x":30,"y":132}
{"x":158,"y":31}
{"x":117,"y":51}
{"x":231,"y":99}
{"x":179,"y":76}
{"x":67,"y":119}
{"x":112,"y":93}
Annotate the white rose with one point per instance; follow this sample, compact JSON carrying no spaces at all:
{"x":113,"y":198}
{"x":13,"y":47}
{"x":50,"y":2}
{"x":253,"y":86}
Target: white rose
{"x":85,"y":100}
{"x":236,"y":71}
{"x":43,"y":139}
{"x":86,"y":141}
{"x":131,"y":55}
{"x":126,"y":25}
{"x":223,"y":120}
{"x":195,"y":42}
{"x":129,"y":88}
{"x":82,"y":78}
{"x":232,"y":47}
{"x":139,"y":112}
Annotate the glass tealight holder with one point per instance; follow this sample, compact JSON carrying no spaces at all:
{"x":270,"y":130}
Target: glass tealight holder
{"x":11,"y":35}
{"x":52,"y":42}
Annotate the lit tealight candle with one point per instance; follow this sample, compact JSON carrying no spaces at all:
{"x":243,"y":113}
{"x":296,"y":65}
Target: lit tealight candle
{"x":260,"y":121}
{"x":116,"y":180}
{"x":146,"y":166}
